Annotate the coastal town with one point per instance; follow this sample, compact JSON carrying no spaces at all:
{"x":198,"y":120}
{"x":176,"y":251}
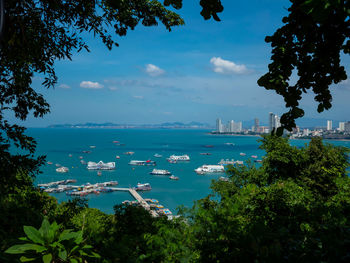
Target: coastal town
{"x":329,"y":131}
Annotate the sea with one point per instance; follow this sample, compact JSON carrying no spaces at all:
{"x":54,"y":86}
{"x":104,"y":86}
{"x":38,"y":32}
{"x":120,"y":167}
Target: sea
{"x":65,"y":146}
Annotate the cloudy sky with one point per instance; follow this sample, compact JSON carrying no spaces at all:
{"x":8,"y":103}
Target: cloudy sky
{"x":197,"y":72}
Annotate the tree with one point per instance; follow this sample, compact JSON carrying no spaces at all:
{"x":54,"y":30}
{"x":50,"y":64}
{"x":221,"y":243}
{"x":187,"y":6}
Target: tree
{"x":294,"y":208}
{"x":310,"y":44}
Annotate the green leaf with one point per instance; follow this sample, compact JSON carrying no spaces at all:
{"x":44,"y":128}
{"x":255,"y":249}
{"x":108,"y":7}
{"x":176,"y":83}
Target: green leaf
{"x":19,"y":249}
{"x":25,"y":259}
{"x":44,"y":229}
{"x":62,"y":254}
{"x":33,"y":234}
{"x":67,"y":234}
{"x":47,"y":258}
{"x":73,"y":260}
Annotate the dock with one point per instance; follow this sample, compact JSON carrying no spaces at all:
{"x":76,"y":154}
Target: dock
{"x":138,"y":198}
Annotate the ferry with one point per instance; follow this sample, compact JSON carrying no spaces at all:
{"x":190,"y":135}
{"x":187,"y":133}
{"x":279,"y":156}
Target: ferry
{"x":142,"y":163}
{"x":176,"y":158}
{"x":160,"y":172}
{"x":143,"y":187}
{"x":100,"y":166}
{"x":172,"y":177}
{"x":62,"y":169}
{"x":204,"y":169}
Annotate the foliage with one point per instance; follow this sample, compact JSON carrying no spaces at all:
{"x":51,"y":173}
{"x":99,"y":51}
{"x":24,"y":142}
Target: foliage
{"x":293,"y":208}
{"x":50,"y":244}
{"x":314,"y":35}
{"x":171,"y":243}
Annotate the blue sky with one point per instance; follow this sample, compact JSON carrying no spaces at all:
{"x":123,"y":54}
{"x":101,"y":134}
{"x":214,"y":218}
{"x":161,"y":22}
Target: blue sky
{"x":197,"y":72}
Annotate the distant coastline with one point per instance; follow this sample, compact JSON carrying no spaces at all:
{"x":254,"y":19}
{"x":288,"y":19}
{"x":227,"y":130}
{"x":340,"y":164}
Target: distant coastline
{"x":167,"y":125}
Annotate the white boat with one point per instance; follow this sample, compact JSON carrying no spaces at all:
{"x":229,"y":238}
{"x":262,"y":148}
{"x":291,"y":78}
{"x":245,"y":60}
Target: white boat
{"x":229,"y":143}
{"x":172,"y":177}
{"x":117,"y":157}
{"x":92,"y":146}
{"x":158,"y":155}
{"x":143,"y":187}
{"x":204,"y":169}
{"x":142,"y":163}
{"x":70,"y":155}
{"x":254,"y":156}
{"x":242,"y":154}
{"x":49,"y":162}
{"x":228,"y":161}
{"x":177,"y":158}
{"x":100,"y":166}
{"x":160,"y":172}
{"x":62,"y":169}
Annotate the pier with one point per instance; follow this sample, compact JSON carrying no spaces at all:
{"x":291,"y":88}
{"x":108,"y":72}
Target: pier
{"x":138,"y":198}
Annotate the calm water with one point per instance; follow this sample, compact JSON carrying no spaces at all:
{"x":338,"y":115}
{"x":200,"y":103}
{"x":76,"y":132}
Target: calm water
{"x":57,"y":144}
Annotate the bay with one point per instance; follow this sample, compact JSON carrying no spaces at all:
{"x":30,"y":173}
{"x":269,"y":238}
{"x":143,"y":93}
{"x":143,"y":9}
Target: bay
{"x":59,"y":144}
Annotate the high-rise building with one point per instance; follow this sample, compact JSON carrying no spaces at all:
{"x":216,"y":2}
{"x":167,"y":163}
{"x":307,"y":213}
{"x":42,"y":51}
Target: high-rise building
{"x":271,"y":121}
{"x":219,"y":126}
{"x":329,"y":125}
{"x":232,"y":126}
{"x":256,"y":125}
{"x":274,"y":121}
{"x":347,"y":126}
{"x":341,"y":126}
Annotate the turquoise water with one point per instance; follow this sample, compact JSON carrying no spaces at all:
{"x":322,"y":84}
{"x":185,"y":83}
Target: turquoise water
{"x":57,"y":144}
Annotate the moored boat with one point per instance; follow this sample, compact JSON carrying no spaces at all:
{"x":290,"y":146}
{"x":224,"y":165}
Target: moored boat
{"x":157,"y":155}
{"x":143,"y":187}
{"x":100,"y":166}
{"x":177,"y":158}
{"x":242,"y":154}
{"x":142,"y":163}
{"x":62,"y":169}
{"x":160,"y":172}
{"x":129,"y":153}
{"x":172,"y":177}
{"x":254,"y":156}
{"x":204,"y":169}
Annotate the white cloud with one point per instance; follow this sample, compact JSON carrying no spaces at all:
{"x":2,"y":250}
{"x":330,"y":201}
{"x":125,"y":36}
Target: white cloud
{"x":153,"y":70}
{"x":64,"y":86}
{"x":90,"y":85}
{"x":223,"y":66}
{"x":138,"y":97}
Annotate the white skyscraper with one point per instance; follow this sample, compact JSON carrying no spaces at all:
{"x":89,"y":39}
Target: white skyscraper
{"x":341,"y":126}
{"x":274,"y":121}
{"x":219,"y":126}
{"x":329,"y":125}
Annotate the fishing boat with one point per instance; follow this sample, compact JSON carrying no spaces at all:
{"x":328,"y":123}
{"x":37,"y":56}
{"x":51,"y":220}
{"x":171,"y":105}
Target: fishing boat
{"x":143,"y":187}
{"x":172,"y":177}
{"x":204,"y":169}
{"x":160,"y":172}
{"x":142,"y":163}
